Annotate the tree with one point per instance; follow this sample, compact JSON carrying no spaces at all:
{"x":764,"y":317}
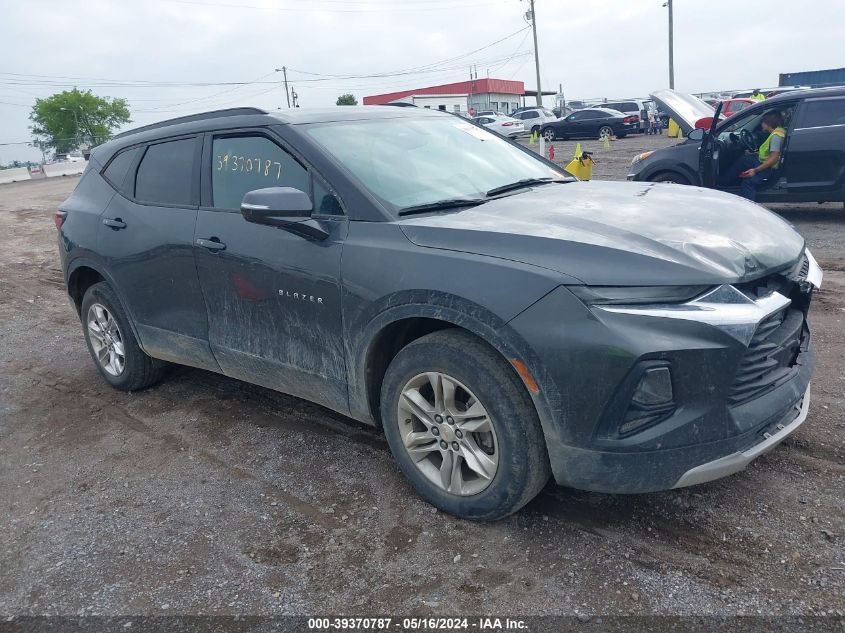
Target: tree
{"x":69,"y":119}
{"x":347,"y":99}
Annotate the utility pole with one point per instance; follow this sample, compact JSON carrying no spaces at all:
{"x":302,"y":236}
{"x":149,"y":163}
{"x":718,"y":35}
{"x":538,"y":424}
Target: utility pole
{"x":284,"y":71}
{"x":536,"y":52}
{"x":668,"y":4}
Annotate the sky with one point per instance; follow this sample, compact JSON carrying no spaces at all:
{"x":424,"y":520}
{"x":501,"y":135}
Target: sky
{"x":146,"y":51}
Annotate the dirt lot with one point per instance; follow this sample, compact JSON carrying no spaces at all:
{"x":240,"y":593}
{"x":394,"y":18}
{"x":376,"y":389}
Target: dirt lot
{"x":206,"y":495}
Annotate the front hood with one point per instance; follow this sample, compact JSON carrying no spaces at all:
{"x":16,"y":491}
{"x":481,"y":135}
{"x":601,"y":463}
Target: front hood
{"x":620,"y":233}
{"x":685,"y":109}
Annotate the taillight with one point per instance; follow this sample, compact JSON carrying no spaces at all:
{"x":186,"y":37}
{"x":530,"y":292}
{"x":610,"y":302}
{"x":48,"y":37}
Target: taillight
{"x":631,"y":119}
{"x":59,"y":218}
{"x":507,"y":123}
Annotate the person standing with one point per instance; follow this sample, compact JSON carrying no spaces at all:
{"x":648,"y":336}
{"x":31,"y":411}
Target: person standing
{"x":757,"y":95}
{"x":752,"y":170}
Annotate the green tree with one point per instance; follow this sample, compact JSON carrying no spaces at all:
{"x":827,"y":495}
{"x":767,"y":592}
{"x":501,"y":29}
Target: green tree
{"x":347,"y":99}
{"x":70,"y":119}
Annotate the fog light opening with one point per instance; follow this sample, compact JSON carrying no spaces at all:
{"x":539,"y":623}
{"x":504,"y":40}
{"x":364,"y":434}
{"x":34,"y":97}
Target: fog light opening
{"x":651,"y":402}
{"x":654,"y":388}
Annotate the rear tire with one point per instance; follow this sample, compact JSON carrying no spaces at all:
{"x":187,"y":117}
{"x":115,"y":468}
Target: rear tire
{"x":549,"y":134}
{"x":490,"y":459}
{"x":112,"y":344}
{"x":670,"y":176}
{"x":605,"y":131}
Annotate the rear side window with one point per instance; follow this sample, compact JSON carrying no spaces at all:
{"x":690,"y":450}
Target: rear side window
{"x":531,"y":114}
{"x":166,"y":172}
{"x":244,"y":163}
{"x":118,"y":168}
{"x":823,"y":112}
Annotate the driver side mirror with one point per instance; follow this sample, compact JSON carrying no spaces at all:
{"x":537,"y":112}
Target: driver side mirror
{"x":696,"y":135}
{"x":276,"y":205}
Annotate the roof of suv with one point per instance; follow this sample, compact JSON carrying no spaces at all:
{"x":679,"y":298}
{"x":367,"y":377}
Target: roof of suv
{"x":248,"y":116}
{"x":835,"y":91}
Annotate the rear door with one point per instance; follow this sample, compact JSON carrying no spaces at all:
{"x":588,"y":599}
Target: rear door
{"x":146,"y":236}
{"x":814,"y":162}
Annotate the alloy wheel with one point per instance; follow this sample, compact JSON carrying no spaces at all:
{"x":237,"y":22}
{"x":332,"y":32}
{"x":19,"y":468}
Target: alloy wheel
{"x":448,"y":433}
{"x":605,"y":132}
{"x":106,"y":340}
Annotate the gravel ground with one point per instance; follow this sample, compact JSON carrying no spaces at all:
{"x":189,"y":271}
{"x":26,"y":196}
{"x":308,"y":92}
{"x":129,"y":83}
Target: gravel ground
{"x":204,"y":495}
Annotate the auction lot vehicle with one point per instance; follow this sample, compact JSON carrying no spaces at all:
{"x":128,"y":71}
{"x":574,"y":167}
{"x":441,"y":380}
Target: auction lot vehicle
{"x":591,"y":123}
{"x":534,"y":118}
{"x":812,"y":167}
{"x":500,"y":320}
{"x":632,"y":107}
{"x":504,"y":125}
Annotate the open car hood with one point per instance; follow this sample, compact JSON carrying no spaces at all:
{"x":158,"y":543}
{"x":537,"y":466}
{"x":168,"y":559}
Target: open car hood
{"x":685,"y":109}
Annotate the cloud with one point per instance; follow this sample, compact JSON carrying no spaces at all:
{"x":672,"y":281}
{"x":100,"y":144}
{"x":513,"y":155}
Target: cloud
{"x":596,"y":48}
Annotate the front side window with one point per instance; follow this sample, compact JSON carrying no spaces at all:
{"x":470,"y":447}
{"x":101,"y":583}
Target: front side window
{"x":166,"y":173}
{"x":244,"y":163}
{"x":409,"y":161}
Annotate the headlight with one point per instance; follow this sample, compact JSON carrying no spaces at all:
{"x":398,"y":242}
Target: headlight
{"x":604,"y":295}
{"x":640,"y":157}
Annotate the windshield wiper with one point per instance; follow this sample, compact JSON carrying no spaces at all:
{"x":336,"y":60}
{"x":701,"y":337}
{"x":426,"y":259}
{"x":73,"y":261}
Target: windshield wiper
{"x":525,"y":182}
{"x":442,"y":204}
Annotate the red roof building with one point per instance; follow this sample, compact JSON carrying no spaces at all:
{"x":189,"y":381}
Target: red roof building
{"x":483,"y":94}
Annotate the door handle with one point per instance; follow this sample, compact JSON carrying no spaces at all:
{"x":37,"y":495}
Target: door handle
{"x":114,"y":223}
{"x":212,"y":244}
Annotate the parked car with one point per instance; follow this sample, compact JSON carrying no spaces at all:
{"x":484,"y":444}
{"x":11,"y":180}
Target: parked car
{"x":729,"y":106}
{"x":498,"y":319}
{"x":812,"y":163}
{"x":504,"y":125}
{"x":632,"y":107}
{"x":534,"y":119}
{"x":590,"y":123}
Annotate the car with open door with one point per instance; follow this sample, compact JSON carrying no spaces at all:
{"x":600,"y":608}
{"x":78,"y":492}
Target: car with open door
{"x":812,"y":167}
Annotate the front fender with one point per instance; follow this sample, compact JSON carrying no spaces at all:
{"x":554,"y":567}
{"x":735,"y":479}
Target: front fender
{"x":454,"y":311}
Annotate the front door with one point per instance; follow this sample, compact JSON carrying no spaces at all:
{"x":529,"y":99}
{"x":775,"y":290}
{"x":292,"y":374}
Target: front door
{"x":146,"y":236}
{"x":273,"y":296}
{"x":815,"y":158}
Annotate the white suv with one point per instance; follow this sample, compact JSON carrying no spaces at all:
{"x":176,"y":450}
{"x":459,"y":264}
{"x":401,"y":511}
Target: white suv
{"x":535,"y":119}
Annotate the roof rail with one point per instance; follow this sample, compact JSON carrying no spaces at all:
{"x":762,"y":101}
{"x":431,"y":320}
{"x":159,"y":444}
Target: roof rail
{"x":214,"y":114}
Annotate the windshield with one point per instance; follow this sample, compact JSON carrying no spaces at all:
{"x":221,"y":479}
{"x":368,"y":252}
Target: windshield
{"x":414,"y":161}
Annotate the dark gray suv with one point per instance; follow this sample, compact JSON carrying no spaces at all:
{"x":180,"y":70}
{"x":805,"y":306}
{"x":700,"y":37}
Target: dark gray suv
{"x":498,"y":319}
{"x":812,"y":167}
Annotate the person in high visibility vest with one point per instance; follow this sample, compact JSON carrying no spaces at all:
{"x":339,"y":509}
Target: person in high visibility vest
{"x":751,"y":170}
{"x":757,"y":95}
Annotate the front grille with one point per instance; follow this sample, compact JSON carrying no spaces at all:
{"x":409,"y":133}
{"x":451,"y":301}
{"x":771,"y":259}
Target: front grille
{"x":771,"y":355}
{"x":805,"y":268}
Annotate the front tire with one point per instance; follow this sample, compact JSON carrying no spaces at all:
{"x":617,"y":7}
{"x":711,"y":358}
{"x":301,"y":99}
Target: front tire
{"x":462,"y":427}
{"x":112,"y":343}
{"x":670,"y":177}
